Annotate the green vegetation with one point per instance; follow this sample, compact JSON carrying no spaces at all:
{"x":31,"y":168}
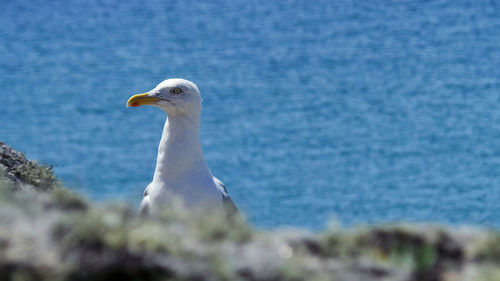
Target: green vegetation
{"x":14,"y":166}
{"x":50,"y":233}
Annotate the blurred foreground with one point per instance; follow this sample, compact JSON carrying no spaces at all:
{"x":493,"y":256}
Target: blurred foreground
{"x":49,"y":233}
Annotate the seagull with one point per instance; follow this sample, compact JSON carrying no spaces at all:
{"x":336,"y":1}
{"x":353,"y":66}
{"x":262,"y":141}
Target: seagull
{"x":181,"y":170}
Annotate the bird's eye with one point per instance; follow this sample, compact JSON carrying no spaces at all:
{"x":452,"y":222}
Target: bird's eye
{"x":177,"y":91}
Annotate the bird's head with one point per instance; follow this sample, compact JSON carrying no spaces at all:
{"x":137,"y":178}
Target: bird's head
{"x":175,"y":96}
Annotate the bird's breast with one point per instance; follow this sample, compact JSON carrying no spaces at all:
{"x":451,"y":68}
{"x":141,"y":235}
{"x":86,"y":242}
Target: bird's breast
{"x":193,"y":194}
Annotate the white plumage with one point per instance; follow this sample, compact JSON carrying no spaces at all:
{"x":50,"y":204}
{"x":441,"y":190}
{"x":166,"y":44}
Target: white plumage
{"x":181,"y":169}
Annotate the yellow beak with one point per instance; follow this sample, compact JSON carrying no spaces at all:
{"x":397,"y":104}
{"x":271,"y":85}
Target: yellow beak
{"x":141,"y":99}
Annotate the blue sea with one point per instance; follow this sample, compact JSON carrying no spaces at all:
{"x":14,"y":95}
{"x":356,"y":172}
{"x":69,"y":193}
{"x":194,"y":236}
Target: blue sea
{"x":358,"y":112}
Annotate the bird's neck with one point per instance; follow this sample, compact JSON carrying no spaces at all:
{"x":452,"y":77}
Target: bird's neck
{"x":180,"y":155}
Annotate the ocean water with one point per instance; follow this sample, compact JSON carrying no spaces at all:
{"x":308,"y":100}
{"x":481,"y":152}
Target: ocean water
{"x":358,"y":111}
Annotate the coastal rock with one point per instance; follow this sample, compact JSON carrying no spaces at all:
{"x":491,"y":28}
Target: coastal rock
{"x":21,"y":172}
{"x":51,"y":233}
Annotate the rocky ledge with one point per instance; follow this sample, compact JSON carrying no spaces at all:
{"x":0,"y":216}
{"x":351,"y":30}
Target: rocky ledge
{"x":49,"y":233}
